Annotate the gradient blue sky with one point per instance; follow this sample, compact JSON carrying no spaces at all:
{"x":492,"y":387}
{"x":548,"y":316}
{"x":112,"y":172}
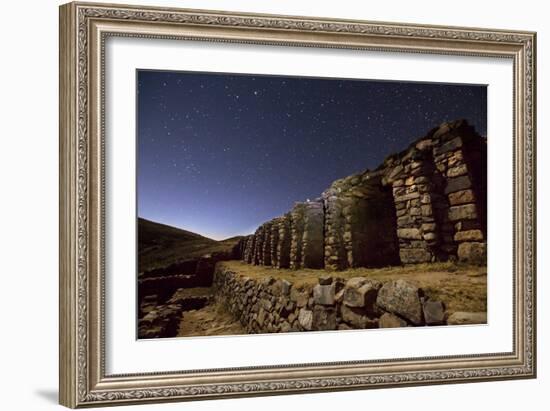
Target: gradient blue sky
{"x":220,"y":154}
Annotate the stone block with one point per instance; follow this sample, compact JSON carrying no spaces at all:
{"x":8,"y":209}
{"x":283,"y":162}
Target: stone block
{"x":324,"y":318}
{"x":457,"y":171}
{"x":324,"y":294}
{"x":474,"y":253}
{"x":357,"y":318}
{"x":461,"y":197}
{"x":462,"y":212}
{"x":414,"y":255}
{"x":402,"y":298}
{"x":409,"y":233}
{"x":361,"y":292}
{"x":389,"y":320}
{"x":300,"y":298}
{"x":470,"y":235}
{"x":305,"y":319}
{"x":458,"y":184}
{"x":434,"y":312}
{"x":450,"y":145}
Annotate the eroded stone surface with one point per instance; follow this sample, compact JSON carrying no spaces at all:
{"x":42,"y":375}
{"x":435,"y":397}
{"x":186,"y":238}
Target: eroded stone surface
{"x":402,"y":298}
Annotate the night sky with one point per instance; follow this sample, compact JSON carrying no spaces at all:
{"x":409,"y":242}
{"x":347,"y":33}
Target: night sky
{"x":220,"y":154}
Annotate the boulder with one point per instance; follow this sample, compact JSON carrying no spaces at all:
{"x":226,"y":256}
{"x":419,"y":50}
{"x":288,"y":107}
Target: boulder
{"x":357,"y":318}
{"x":324,"y":294}
{"x":434,"y":312}
{"x":305,"y":318}
{"x":361,"y":292}
{"x":402,"y":298}
{"x":388,"y":320}
{"x":324,"y":318}
{"x":462,"y":318}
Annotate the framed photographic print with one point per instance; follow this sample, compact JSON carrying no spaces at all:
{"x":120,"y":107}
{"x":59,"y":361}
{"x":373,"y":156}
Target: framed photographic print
{"x":259,"y":204}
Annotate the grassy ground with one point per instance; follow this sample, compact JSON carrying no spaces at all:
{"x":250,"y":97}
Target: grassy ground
{"x":460,"y":287}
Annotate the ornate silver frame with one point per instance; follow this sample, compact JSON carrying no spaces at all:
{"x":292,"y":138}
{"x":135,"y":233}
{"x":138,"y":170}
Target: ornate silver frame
{"x":83,"y":30}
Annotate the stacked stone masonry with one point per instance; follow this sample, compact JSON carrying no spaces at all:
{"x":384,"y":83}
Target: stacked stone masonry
{"x":270,"y":305}
{"x":427,"y":203}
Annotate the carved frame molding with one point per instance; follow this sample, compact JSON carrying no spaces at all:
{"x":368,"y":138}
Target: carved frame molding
{"x":83,"y":30}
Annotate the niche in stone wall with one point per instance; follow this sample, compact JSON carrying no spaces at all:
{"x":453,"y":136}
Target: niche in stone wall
{"x":370,"y":226}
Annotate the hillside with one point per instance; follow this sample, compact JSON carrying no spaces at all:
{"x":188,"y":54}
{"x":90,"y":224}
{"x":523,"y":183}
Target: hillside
{"x":160,"y":245}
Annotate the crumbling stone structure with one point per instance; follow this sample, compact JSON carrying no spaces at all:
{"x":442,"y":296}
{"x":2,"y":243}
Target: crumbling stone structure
{"x":427,"y":203}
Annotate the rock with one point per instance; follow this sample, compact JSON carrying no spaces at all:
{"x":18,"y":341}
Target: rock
{"x":423,"y":144}
{"x":305,"y":319}
{"x":402,"y":298}
{"x":434,"y":312}
{"x":429,"y":236}
{"x":450,"y":145}
{"x":426,"y":209}
{"x":339,"y":297}
{"x":474,"y":253}
{"x":457,"y":184}
{"x":409,"y":233}
{"x":287,"y":309}
{"x":463,"y":212}
{"x":388,"y":320}
{"x":324,"y":294}
{"x":395,"y":172}
{"x":443,"y":129}
{"x":285,"y":287}
{"x":462,"y":317}
{"x":427,"y":227}
{"x":344,"y":327}
{"x":325,"y":280}
{"x":285,"y":327}
{"x":456,"y":171}
{"x":261,"y":317}
{"x":357,"y":318}
{"x":300,"y":298}
{"x":414,"y":255}
{"x":324,"y":318}
{"x":470,"y":235}
{"x":461,"y":197}
{"x":361,"y":292}
{"x":407,"y":197}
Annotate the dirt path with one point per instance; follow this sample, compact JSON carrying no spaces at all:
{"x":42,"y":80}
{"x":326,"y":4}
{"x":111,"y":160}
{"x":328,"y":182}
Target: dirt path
{"x":210,"y":320}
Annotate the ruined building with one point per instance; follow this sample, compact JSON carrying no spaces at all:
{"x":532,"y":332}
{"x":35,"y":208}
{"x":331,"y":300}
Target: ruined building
{"x":427,"y":203}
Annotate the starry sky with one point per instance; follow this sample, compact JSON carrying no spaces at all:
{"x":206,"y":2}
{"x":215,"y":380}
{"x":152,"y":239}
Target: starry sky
{"x":219,"y":154}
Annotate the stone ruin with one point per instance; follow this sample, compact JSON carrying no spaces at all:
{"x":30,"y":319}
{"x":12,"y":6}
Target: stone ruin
{"x":425,"y":204}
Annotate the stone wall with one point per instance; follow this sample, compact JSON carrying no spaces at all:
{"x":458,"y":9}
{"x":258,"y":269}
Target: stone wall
{"x":269,"y":305}
{"x":427,"y":203}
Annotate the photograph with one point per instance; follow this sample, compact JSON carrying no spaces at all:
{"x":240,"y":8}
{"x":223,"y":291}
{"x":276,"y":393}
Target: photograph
{"x":276,"y":204}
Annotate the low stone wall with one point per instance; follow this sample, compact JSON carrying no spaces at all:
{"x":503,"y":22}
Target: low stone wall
{"x":269,"y":305}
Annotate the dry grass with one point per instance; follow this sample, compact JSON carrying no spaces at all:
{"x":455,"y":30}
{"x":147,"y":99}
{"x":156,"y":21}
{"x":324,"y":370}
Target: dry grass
{"x":460,"y":287}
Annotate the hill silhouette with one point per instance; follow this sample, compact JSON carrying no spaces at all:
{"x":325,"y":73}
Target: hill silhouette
{"x":160,"y":245}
